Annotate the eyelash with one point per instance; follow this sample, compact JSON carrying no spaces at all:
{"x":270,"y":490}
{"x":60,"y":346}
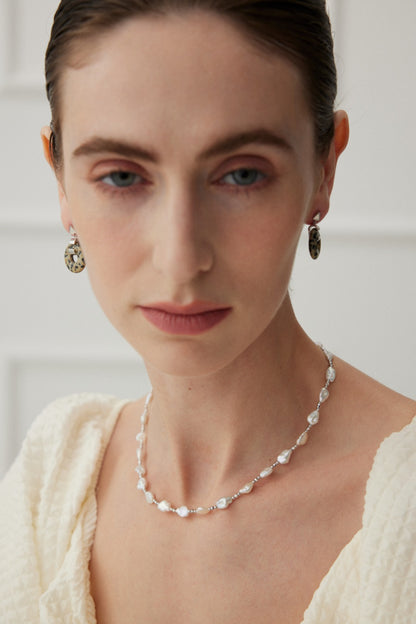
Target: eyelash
{"x":120,"y":191}
{"x":246,"y":188}
{"x":141,"y":182}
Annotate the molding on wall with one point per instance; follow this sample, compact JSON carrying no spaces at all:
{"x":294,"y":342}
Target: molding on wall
{"x":13,"y":357}
{"x":12,"y":78}
{"x":21,"y":84}
{"x":360,"y":229}
{"x":5,"y":36}
{"x":11,"y":224}
{"x":54,"y":354}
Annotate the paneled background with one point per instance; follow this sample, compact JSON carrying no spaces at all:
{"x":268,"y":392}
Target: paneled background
{"x":359,"y":298}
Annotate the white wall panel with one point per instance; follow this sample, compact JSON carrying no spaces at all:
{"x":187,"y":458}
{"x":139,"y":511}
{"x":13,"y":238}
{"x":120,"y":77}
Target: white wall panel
{"x":359,"y":298}
{"x":37,"y":375}
{"x":378,"y":88}
{"x":24,"y":27}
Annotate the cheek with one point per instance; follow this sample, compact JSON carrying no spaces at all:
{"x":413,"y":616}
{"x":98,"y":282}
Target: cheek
{"x":112,"y":253}
{"x":267,"y":244}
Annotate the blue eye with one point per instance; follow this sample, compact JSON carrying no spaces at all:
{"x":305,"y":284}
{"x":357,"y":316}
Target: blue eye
{"x":243,"y":177}
{"x":121,"y":179}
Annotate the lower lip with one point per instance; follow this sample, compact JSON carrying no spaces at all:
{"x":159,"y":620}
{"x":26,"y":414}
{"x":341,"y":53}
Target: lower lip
{"x":185,"y":324}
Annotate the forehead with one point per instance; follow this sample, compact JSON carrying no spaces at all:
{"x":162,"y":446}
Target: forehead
{"x":185,"y":74}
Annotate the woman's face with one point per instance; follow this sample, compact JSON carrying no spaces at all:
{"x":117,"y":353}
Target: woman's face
{"x":189,"y":171}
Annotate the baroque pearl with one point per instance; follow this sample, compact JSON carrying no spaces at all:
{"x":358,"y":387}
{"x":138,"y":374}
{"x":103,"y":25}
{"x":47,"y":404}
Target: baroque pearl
{"x":183,"y":511}
{"x":149,"y":497}
{"x":285,"y":456}
{"x":164,"y":505}
{"x":246,"y":489}
{"x":141,"y":484}
{"x":223,"y":503}
{"x":302,"y":439}
{"x":313,"y":418}
{"x":324,"y":394}
{"x":266,"y":472}
{"x":202,"y":511}
{"x":330,"y":374}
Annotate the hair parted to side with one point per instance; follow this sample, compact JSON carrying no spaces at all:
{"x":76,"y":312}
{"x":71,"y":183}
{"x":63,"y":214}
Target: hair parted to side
{"x":298,"y":29}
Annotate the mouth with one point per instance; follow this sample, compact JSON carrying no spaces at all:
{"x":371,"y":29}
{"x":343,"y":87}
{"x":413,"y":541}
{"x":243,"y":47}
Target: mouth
{"x":192,"y":319}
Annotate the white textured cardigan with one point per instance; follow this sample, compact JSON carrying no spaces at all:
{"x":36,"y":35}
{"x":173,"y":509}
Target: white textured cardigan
{"x":48,"y":517}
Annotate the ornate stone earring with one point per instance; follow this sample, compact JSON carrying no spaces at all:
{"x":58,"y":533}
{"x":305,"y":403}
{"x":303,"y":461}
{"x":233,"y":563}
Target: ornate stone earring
{"x":315,"y":237}
{"x":74,"y":258}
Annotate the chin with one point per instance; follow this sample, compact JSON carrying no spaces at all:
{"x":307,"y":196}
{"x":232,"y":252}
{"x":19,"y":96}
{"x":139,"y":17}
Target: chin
{"x":185,"y":358}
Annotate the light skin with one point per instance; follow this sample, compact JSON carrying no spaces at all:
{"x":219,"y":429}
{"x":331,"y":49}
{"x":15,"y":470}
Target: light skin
{"x":216,"y":144}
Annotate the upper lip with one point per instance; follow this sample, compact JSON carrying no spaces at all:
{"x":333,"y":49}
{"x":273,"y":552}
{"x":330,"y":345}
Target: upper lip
{"x":195,"y":307}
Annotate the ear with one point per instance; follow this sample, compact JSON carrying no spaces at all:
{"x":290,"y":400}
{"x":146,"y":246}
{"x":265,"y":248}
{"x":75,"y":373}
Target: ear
{"x":46,"y":143}
{"x":328,"y":166}
{"x":45,"y":135}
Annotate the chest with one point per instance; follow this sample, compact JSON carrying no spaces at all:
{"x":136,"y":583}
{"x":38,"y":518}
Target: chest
{"x":261,"y":560}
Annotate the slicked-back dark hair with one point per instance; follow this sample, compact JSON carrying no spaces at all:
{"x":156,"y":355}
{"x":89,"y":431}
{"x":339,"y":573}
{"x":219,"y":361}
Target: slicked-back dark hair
{"x":298,"y":29}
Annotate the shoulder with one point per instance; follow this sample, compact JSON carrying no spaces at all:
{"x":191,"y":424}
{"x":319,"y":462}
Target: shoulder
{"x":69,"y":417}
{"x":388,"y":550}
{"x":45,"y":495}
{"x":67,"y":433}
{"x":391,"y":488}
{"x":365,"y":412}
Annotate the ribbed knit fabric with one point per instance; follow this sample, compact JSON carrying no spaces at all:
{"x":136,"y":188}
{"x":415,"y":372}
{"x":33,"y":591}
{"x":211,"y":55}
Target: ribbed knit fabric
{"x":373,"y":581}
{"x":48,"y":517}
{"x":48,"y":513}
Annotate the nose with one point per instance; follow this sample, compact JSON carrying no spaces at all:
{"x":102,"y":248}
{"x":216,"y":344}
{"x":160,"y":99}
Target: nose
{"x":182,"y":250}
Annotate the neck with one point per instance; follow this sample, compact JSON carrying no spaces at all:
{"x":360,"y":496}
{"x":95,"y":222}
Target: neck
{"x":206,"y":434}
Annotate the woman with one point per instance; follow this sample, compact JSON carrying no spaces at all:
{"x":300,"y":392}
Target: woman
{"x":191,"y":142}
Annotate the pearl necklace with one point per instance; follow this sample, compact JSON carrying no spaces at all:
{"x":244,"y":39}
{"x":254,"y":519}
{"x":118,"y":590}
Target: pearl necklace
{"x":283,"y":458}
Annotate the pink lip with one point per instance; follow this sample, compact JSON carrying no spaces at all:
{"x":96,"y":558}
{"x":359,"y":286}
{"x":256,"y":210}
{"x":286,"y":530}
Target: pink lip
{"x":192,"y":319}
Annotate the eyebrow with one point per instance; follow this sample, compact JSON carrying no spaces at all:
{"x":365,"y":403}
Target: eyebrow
{"x":259,"y":136}
{"x":98,"y":145}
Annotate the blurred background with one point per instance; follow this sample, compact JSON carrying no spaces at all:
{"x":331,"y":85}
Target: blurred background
{"x":359,"y":298}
